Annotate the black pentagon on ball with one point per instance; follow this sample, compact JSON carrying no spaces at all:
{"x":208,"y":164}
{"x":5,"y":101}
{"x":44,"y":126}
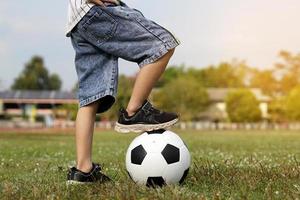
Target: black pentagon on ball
{"x":155,"y":181}
{"x":138,"y":154}
{"x":159,"y":131}
{"x":185,"y":173}
{"x":171,"y":154}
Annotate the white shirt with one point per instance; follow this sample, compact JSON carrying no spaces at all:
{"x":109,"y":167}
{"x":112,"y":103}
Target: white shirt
{"x":76,"y":11}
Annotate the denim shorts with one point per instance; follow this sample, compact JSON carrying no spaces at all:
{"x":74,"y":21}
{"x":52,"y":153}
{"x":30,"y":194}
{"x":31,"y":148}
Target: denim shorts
{"x":105,"y":34}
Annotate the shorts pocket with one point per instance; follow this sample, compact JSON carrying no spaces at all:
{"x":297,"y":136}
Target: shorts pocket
{"x":100,"y":27}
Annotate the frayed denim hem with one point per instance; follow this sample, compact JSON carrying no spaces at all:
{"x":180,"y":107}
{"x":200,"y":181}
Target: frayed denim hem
{"x":165,"y":49}
{"x":104,"y":105}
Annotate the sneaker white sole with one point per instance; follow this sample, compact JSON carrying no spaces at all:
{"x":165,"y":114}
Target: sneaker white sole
{"x":137,"y":128}
{"x":77,"y":183}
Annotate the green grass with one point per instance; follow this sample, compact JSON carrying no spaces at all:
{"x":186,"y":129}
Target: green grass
{"x":226,"y":165}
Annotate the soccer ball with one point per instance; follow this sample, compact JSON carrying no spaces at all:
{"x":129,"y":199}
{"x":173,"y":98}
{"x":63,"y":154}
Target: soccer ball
{"x":157,"y":158}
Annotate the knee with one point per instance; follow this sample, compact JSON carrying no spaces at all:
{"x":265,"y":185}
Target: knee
{"x":166,"y":57}
{"x":169,"y":54}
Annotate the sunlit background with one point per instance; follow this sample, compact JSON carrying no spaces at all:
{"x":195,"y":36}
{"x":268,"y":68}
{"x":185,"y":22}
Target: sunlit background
{"x":210,"y":31}
{"x":234,"y":81}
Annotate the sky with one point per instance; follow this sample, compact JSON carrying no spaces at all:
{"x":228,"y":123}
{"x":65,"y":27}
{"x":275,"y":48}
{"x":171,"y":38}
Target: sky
{"x":210,"y":31}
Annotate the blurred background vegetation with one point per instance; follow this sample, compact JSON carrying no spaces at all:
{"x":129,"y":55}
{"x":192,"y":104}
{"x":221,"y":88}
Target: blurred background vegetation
{"x":183,"y":89}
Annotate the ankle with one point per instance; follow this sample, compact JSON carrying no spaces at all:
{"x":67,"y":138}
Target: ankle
{"x":85,"y":167}
{"x":130,"y":112}
{"x":132,"y":109}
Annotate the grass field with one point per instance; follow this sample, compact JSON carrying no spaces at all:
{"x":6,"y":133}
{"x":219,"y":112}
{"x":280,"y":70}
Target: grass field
{"x":226,"y":165}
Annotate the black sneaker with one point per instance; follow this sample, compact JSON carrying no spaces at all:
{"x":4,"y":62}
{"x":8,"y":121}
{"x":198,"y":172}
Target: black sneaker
{"x":147,"y":118}
{"x":75,"y":176}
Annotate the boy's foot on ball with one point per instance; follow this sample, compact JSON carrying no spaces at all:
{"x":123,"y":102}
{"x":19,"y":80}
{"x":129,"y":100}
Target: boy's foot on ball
{"x":146,"y":118}
{"x":75,"y":176}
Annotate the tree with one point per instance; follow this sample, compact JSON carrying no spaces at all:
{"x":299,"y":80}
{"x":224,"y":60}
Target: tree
{"x":183,"y":95}
{"x":35,"y":76}
{"x":54,"y":82}
{"x":223,"y":75}
{"x":170,"y":73}
{"x":226,"y":74}
{"x":125,"y":87}
{"x":276,"y":110}
{"x":242,"y":106}
{"x":292,"y":105}
{"x":289,"y":71}
{"x":265,"y":80}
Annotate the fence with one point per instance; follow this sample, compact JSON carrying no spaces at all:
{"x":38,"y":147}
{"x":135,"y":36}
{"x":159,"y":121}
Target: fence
{"x":182,"y":125}
{"x":237,"y":126}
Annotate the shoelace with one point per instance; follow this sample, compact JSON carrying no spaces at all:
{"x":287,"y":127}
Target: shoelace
{"x":154,"y":110}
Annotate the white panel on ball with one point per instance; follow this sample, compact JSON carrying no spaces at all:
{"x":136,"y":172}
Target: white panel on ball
{"x":173,"y":173}
{"x":158,"y":156}
{"x":185,"y":157}
{"x":173,"y":139}
{"x":153,"y":143}
{"x":154,"y":164}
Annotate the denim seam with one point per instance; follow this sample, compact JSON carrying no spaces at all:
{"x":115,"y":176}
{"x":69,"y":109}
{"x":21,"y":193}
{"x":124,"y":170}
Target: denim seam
{"x":112,"y":79}
{"x":147,"y":29}
{"x":177,"y":41}
{"x":162,"y":51}
{"x":96,"y":97}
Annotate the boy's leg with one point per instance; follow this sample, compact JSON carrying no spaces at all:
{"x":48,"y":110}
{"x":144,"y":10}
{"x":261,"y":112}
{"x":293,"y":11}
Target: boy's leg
{"x":97,"y":79}
{"x":145,"y":81}
{"x":124,"y":32}
{"x":84,"y":136}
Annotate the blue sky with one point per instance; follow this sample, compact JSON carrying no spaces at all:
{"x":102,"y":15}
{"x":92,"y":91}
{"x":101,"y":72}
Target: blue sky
{"x":211,"y":31}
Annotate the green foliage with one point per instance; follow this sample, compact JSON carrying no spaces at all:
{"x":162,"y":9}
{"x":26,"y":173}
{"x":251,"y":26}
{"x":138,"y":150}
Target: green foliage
{"x":242,"y":106}
{"x":125,"y":87}
{"x":224,"y":75}
{"x":54,"y":82}
{"x":276,"y":110}
{"x":170,"y":74}
{"x":265,"y":80}
{"x":289,"y":69}
{"x":35,"y":76}
{"x":184,"y":96}
{"x":292,"y":105}
{"x":287,"y":83}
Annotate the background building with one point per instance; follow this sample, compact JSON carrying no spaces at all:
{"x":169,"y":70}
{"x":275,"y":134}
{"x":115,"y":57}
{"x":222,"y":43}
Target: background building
{"x":217,"y":109}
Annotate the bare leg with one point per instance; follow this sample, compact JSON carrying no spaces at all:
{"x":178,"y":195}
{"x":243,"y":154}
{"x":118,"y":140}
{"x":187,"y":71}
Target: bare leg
{"x":146,"y":78}
{"x":84,"y":136}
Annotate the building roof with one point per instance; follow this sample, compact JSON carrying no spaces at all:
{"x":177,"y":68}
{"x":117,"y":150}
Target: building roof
{"x":30,"y":96}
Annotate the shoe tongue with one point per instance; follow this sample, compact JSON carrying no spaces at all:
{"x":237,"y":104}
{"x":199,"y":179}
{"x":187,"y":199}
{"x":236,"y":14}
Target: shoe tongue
{"x":96,"y":165}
